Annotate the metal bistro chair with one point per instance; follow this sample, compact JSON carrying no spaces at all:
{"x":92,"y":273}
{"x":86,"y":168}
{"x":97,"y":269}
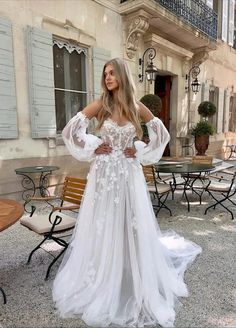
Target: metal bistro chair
{"x":226,"y":190}
{"x":230,"y":151}
{"x":56,"y":225}
{"x":160,"y":191}
{"x":3,"y":295}
{"x":197,"y":182}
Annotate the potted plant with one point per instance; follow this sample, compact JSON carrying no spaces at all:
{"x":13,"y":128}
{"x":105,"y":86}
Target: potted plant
{"x":154,"y":104}
{"x":203,"y":129}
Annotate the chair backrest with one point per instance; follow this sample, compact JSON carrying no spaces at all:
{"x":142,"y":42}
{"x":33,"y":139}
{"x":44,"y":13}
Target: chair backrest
{"x":73,"y":190}
{"x":202,"y":159}
{"x":149,"y":174}
{"x":232,"y":182}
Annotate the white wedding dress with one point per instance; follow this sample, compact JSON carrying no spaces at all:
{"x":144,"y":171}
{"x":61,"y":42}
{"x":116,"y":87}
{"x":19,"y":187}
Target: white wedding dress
{"x":119,"y":268}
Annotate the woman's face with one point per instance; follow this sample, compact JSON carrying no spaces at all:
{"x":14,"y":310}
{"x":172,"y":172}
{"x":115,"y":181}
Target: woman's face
{"x":110,"y":78}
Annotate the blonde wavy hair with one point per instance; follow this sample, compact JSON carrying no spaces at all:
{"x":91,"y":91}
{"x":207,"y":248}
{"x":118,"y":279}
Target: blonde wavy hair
{"x":126,"y":101}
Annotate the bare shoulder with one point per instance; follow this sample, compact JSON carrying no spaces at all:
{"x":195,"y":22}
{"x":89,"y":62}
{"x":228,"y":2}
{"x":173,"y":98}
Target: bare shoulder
{"x":92,"y":109}
{"x":145,"y":114}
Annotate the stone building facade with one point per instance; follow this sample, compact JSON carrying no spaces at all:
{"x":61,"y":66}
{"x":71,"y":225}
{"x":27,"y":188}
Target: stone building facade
{"x":51,"y":59}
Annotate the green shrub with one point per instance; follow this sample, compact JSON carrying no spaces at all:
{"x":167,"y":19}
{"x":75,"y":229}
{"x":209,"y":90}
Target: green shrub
{"x":152,"y":102}
{"x":202,"y":128}
{"x":145,"y":130}
{"x":206,"y":109}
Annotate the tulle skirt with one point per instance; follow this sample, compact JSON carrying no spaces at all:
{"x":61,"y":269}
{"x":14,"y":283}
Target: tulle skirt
{"x":119,"y":268}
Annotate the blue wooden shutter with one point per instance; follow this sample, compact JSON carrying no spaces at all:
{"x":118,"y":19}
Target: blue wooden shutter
{"x":100,"y":57}
{"x":220,"y":110}
{"x":8,"y":109}
{"x":224,"y":24}
{"x":209,"y":3}
{"x":41,"y":83}
{"x":226,"y":111}
{"x":205,"y":91}
{"x":231,"y":23}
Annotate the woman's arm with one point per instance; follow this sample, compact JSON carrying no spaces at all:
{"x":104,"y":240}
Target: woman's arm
{"x":145,"y":114}
{"x":92,"y":109}
{"x":80,"y":144}
{"x":158,"y":135}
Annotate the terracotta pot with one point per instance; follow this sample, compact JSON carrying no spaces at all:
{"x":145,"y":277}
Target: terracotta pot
{"x":201,"y":144}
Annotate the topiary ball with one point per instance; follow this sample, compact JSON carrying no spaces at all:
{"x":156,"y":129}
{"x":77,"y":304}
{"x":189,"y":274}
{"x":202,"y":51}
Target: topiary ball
{"x":152,"y":102}
{"x":206,"y":109}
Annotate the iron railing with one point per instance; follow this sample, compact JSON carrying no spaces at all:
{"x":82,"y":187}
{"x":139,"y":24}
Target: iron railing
{"x":195,"y":13}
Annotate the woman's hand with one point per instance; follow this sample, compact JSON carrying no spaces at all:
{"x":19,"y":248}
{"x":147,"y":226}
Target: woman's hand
{"x":130,"y":152}
{"x":104,"y":148}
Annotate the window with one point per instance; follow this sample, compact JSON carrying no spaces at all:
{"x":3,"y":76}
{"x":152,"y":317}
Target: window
{"x":232,"y":114}
{"x":70,"y":81}
{"x":57,"y":76}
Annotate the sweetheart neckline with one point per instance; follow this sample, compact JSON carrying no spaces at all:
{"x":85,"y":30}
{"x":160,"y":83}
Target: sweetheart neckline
{"x":116,"y":124}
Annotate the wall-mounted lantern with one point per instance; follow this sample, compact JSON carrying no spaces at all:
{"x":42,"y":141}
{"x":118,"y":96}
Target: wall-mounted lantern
{"x":151,"y":70}
{"x":192,"y":80}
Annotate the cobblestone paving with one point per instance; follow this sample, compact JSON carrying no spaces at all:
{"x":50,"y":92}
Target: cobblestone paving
{"x":210,"y":279}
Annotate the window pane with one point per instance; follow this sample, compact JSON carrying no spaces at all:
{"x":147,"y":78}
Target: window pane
{"x":67,"y":105}
{"x":58,"y":58}
{"x":70,"y":69}
{"x":69,"y":74}
{"x":77,"y":71}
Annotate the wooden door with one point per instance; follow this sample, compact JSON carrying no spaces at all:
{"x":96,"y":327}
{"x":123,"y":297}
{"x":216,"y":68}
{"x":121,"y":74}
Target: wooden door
{"x":162,"y":89}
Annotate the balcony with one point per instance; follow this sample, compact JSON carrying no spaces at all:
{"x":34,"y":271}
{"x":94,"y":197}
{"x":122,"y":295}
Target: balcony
{"x":188,"y":23}
{"x":196,"y":13}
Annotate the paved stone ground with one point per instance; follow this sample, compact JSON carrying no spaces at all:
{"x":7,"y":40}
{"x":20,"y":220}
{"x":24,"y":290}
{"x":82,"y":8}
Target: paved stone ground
{"x":211,"y":279}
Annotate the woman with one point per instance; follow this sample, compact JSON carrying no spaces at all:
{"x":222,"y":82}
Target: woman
{"x":119,"y":269}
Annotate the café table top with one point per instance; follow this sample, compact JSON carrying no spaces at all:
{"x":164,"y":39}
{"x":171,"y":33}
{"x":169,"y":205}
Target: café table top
{"x":36,"y":169}
{"x":10,"y":212}
{"x":183,"y":167}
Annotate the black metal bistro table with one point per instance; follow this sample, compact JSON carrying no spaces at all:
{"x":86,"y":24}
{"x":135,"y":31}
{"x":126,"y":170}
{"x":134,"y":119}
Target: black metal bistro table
{"x":28,"y":181}
{"x":186,"y":169}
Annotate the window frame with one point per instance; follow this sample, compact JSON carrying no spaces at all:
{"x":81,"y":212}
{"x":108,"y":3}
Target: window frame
{"x":71,"y":46}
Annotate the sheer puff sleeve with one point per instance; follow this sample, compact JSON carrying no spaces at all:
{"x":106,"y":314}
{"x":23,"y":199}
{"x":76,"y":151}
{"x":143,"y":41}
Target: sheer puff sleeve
{"x":80,"y":144}
{"x":159,"y":138}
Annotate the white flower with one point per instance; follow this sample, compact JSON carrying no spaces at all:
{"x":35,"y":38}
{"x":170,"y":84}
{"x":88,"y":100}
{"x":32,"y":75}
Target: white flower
{"x":134,"y":223}
{"x":102,"y":181}
{"x":113,"y":177}
{"x":117,"y":200}
{"x":99,"y":225}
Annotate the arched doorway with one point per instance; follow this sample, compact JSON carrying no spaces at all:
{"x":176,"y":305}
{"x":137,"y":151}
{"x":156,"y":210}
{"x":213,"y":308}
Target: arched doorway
{"x":162,"y":89}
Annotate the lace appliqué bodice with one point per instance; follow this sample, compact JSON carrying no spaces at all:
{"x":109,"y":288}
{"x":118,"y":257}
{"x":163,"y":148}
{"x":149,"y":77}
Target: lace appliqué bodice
{"x":118,"y":137}
{"x":83,"y":145}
